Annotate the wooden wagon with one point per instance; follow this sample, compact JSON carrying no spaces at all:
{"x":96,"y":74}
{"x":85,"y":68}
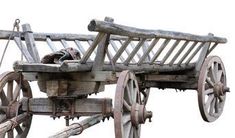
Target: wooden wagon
{"x":134,"y":59}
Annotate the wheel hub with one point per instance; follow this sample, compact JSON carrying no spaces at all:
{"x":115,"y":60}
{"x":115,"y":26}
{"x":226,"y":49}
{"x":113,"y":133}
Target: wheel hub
{"x":220,"y":89}
{"x":139,"y":114}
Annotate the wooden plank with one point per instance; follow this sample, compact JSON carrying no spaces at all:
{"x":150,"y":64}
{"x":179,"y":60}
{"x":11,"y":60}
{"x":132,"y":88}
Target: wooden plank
{"x":80,"y":47}
{"x":194,"y":53}
{"x":112,"y":28}
{"x":167,"y":78}
{"x":75,"y":67}
{"x":24,"y":50}
{"x":51,"y":44}
{"x":179,"y":52}
{"x":82,"y":107}
{"x":133,"y":53}
{"x":170,"y":51}
{"x":187,"y":53}
{"x":116,"y":49}
{"x":147,"y":45}
{"x":156,"y":55}
{"x":29,"y":40}
{"x":121,"y":49}
{"x":64,"y":43}
{"x":212,"y":47}
{"x":153,"y":43}
{"x":92,"y":47}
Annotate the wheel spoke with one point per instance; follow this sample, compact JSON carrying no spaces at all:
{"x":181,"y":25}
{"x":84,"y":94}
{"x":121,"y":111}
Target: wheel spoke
{"x":131,"y":135}
{"x":127,"y":129}
{"x":212,"y":106}
{"x":16,"y":92}
{"x":126,"y":105}
{"x":126,"y":118}
{"x":128,"y":95}
{"x":211,"y":74}
{"x":2,"y":117}
{"x":216,"y":68}
{"x":19,"y":129}
{"x":136,"y":133}
{"x":219,"y":75}
{"x":10,"y":90}
{"x":4,"y":99}
{"x":209,"y":100}
{"x":216,"y":105}
{"x":208,"y":91}
{"x":211,"y":84}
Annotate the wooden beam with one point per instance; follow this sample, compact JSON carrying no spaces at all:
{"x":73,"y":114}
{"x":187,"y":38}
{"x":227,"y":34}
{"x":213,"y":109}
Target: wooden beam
{"x":51,"y":44}
{"x":112,"y":28}
{"x":179,"y":52}
{"x":29,"y":40}
{"x":121,"y":49}
{"x":24,"y":50}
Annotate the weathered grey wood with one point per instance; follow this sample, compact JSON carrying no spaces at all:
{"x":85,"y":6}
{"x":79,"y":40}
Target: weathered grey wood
{"x":77,"y":128}
{"x":170,"y":51}
{"x":80,"y":47}
{"x":75,"y":67}
{"x":179,"y":52}
{"x":92,"y":47}
{"x":166,"y":78}
{"x":133,"y":53}
{"x":127,"y":50}
{"x":64,"y":43}
{"x":23,"y":49}
{"x":82,"y":107}
{"x":154,"y":42}
{"x":29,"y":40}
{"x":202,"y":56}
{"x":8,"y":125}
{"x":194,"y":53}
{"x":112,"y":28}
{"x":133,"y":46}
{"x":116,"y":49}
{"x":187,"y":53}
{"x":51,"y":44}
{"x":156,"y":55}
{"x":147,"y":45}
{"x":101,"y":51}
{"x":212,"y":47}
{"x":121,"y":49}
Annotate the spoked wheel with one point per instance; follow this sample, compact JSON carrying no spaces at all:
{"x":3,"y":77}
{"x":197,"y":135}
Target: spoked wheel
{"x":12,"y":88}
{"x":144,"y":95}
{"x":129,"y":112}
{"x":212,"y":88}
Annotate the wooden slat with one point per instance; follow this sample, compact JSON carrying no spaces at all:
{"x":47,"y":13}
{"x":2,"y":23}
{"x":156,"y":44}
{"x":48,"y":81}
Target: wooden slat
{"x":23,"y":49}
{"x":64,"y":43}
{"x":116,"y":49}
{"x":80,"y":47}
{"x":187,"y":53}
{"x":51,"y":44}
{"x":92,"y":48}
{"x":170,"y":51}
{"x":212,"y":47}
{"x":133,"y":47}
{"x":154,"y":42}
{"x":202,"y":56}
{"x":127,"y":50}
{"x":120,"y":51}
{"x":29,"y":40}
{"x":194,"y":53}
{"x":133,"y":53}
{"x":147,"y":45}
{"x":164,"y":44}
{"x":179,"y":52}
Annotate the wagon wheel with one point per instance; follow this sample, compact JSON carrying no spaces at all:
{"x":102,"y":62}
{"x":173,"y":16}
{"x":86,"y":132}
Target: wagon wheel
{"x":212,"y":88}
{"x":12,"y":87}
{"x":129,"y":113}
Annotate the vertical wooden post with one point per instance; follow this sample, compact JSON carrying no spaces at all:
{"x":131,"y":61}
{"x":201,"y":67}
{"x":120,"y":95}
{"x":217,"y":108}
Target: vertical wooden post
{"x":101,"y":51}
{"x":29,"y":40}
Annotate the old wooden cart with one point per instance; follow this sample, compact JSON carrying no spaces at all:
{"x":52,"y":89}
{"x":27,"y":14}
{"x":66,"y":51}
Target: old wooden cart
{"x":134,"y":59}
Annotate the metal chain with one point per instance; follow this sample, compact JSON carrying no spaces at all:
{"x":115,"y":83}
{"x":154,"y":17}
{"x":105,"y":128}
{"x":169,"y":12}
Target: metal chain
{"x":15,"y":26}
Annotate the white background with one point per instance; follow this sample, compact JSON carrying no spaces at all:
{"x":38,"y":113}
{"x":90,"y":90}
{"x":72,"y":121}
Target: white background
{"x":175,"y":114}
